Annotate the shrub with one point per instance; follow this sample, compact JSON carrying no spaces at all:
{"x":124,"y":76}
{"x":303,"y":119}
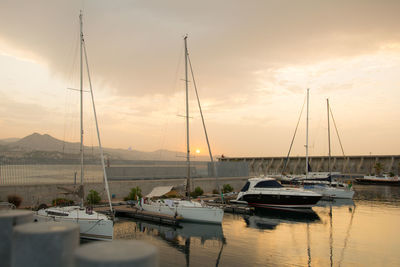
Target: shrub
{"x":215,"y":191}
{"x":14,"y":199}
{"x":135,"y":194}
{"x":197,"y":192}
{"x":227,"y":188}
{"x":93,"y":197}
{"x":62,"y":202}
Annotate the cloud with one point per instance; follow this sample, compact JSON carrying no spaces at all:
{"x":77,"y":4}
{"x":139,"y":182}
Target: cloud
{"x":252,"y":63}
{"x":134,"y":47}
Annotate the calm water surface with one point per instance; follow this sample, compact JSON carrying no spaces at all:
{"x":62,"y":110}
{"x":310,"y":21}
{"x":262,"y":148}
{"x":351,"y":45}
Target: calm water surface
{"x":363,"y":232}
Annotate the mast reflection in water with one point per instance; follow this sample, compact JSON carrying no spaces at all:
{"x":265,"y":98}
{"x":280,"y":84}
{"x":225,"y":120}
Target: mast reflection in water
{"x":339,"y":233}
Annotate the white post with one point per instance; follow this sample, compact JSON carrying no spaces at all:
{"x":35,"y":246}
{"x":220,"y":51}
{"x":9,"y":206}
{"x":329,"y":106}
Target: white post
{"x":187,"y":120}
{"x":81,"y":99}
{"x":329,"y":144}
{"x":308,"y":94}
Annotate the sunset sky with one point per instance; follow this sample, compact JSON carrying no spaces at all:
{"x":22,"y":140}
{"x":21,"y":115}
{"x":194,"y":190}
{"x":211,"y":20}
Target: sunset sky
{"x":253,"y":62}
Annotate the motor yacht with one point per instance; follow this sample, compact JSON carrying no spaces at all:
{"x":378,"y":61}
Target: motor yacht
{"x":268,"y":193}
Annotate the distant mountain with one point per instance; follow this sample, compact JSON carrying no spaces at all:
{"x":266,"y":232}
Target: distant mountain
{"x":41,"y":142}
{"x":36,"y":142}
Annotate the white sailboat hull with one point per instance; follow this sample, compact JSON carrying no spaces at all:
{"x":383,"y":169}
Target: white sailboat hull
{"x":193,"y":213}
{"x":91,"y":226}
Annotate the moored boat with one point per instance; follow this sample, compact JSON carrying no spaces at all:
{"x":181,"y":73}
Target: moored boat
{"x":379,"y":180}
{"x":188,"y":209}
{"x":92,"y":225}
{"x":329,"y":191}
{"x":268,"y":193}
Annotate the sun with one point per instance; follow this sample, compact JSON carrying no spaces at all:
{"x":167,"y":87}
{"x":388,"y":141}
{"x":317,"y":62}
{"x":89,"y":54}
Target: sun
{"x":197,"y":151}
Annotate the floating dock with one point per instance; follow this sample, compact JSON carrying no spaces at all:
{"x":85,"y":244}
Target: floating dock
{"x":233,"y":208}
{"x":133,"y":212}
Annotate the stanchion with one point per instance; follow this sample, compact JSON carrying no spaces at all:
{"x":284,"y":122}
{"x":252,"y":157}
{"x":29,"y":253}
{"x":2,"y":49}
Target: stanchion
{"x":119,"y":253}
{"x":44,"y":244}
{"x":9,"y":219}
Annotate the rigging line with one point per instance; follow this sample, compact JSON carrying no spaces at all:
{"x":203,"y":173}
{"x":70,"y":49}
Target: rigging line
{"x":70,"y":69}
{"x":337,"y":132}
{"x":173,"y":87}
{"x":316,"y":131}
{"x":97,"y":128}
{"x":68,"y":117}
{"x":294,"y":135}
{"x":204,"y":124}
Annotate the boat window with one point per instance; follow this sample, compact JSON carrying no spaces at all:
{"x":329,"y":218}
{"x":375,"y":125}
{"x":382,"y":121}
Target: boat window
{"x":245,"y":187}
{"x":268,"y":184}
{"x":56,"y":213}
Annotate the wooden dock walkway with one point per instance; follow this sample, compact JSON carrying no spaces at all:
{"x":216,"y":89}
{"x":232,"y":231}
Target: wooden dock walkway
{"x":133,"y":212}
{"x":233,"y":208}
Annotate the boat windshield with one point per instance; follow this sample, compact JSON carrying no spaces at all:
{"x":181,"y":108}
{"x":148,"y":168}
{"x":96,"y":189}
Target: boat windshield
{"x":56,"y":213}
{"x":245,"y":187}
{"x":268,"y":184}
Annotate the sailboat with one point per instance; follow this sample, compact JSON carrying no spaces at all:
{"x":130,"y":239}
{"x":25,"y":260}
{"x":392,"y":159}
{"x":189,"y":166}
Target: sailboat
{"x":326,"y":188}
{"x":383,"y":179}
{"x":187,"y":209}
{"x":92,"y":225}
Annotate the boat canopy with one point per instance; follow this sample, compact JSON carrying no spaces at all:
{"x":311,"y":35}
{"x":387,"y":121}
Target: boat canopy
{"x":159,"y":191}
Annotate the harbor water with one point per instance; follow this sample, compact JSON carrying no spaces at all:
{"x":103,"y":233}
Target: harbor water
{"x":363,"y":232}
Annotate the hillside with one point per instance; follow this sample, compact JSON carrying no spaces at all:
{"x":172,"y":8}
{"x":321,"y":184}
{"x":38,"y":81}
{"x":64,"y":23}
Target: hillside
{"x":48,"y":146}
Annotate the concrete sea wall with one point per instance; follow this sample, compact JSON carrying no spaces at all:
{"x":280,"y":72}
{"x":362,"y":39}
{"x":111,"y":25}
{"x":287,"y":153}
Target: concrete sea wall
{"x":360,"y":165}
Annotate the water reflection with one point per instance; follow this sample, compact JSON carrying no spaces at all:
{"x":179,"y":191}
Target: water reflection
{"x":343,"y":203}
{"x":180,"y":238}
{"x":335,"y":233}
{"x":382,"y":193}
{"x":336,"y":203}
{"x":270,"y":219}
{"x":175,"y":236}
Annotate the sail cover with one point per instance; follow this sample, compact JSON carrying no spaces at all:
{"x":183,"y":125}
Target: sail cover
{"x":159,"y":191}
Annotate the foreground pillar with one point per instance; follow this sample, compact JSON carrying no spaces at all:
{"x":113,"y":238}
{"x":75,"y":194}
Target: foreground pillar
{"x":119,"y":253}
{"x":9,"y":219}
{"x":44,"y":244}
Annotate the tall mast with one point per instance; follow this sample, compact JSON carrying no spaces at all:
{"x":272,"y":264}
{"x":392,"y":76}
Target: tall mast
{"x":187,"y":120}
{"x":329,"y":143}
{"x":308,"y":94}
{"x":81,"y":94}
{"x":98,"y":131}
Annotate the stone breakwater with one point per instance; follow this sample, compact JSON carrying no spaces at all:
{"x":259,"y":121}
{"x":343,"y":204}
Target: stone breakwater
{"x":354,"y":165}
